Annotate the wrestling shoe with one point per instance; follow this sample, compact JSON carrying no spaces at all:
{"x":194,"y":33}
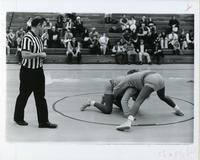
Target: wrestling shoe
{"x":125,"y":126}
{"x":86,"y":105}
{"x":179,"y":113}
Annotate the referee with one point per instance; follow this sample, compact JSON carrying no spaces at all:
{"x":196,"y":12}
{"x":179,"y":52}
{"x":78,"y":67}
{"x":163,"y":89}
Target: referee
{"x":32,"y":77}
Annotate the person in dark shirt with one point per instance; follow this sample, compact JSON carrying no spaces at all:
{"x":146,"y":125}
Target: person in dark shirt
{"x":174,"y":24}
{"x":54,"y":38}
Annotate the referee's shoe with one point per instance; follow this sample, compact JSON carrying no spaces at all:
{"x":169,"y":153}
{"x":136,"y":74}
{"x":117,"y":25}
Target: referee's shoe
{"x":47,"y":125}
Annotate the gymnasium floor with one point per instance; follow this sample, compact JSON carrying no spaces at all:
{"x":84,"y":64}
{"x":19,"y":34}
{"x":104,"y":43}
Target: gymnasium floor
{"x":69,"y":86}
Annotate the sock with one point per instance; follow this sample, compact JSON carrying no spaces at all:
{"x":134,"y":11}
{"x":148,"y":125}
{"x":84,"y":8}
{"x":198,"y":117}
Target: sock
{"x":92,"y":103}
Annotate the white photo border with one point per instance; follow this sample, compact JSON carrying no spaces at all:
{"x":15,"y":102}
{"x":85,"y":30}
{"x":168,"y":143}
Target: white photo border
{"x":63,"y":151}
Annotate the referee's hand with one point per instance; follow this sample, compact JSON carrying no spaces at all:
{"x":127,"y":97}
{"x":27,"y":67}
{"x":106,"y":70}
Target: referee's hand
{"x":43,"y":55}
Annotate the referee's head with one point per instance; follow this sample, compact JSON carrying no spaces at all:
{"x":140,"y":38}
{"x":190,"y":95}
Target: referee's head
{"x":37,"y":25}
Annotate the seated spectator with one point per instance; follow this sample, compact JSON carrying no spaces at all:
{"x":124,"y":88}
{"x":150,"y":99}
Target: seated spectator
{"x":142,"y":31}
{"x":131,"y":53}
{"x":19,"y":35}
{"x":108,"y":18}
{"x":182,"y":40}
{"x":59,"y":25}
{"x":11,"y":39}
{"x":86,"y":41}
{"x":190,"y":39}
{"x":124,"y":22}
{"x":69,"y":25}
{"x":174,"y":43}
{"x":73,"y":50}
{"x":67,"y":38}
{"x":150,"y":23}
{"x":126,"y":36}
{"x":142,"y":50}
{"x":45,"y":38}
{"x":48,"y":24}
{"x":134,"y":38}
{"x":157,"y":51}
{"x":95,"y":46}
{"x":144,"y":21}
{"x":120,"y":53}
{"x":28,"y":24}
{"x":78,"y":26}
{"x":174,"y":24}
{"x":163,"y":40}
{"x":54,"y":38}
{"x":71,"y":16}
{"x":103,"y":40}
{"x":7,"y":46}
{"x":151,"y":38}
{"x":94,"y":33}
{"x":132,"y":23}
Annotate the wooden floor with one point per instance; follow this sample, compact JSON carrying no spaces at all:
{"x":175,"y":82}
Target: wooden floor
{"x":69,"y":86}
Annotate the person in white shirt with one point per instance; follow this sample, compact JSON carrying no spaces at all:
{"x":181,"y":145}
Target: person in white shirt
{"x":174,"y":43}
{"x":103,"y":40}
{"x":143,"y":52}
{"x":73,"y":50}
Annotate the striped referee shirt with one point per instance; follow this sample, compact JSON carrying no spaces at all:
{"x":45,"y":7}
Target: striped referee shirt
{"x":32,"y":43}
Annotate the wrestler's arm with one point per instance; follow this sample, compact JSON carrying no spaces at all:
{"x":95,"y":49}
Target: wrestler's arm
{"x":129,"y":93}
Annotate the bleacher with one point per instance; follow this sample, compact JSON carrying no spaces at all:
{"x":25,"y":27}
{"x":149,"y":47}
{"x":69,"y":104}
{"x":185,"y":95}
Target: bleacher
{"x":57,"y":55}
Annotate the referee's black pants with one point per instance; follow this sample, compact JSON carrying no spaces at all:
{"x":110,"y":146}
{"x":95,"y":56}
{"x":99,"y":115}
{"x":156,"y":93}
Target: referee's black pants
{"x":32,"y":80}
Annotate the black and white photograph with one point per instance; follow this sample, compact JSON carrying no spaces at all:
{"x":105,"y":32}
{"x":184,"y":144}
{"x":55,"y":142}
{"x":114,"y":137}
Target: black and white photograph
{"x":106,"y":77}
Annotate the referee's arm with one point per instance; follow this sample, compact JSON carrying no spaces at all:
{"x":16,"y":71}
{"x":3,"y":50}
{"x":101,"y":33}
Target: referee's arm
{"x":30,"y":55}
{"x":26,"y":50}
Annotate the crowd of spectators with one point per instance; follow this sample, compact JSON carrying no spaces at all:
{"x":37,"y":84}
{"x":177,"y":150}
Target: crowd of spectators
{"x":139,"y":38}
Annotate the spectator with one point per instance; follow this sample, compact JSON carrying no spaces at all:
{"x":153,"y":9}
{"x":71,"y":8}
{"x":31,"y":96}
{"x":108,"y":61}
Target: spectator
{"x":142,"y":50}
{"x":132,"y":23}
{"x":48,"y":24}
{"x":144,"y":21}
{"x":60,"y":25}
{"x":103,"y":40}
{"x":28,"y":24}
{"x":126,"y":36}
{"x":163,"y":40}
{"x":95,"y":46}
{"x":134,"y":38}
{"x":94,"y":33}
{"x":54,"y":38}
{"x":174,"y":24}
{"x":120,"y":53}
{"x":131,"y":53}
{"x":7,"y":46}
{"x":157,"y":51}
{"x":124,"y":22}
{"x":142,"y":31}
{"x":86,"y":41}
{"x":174,"y":43}
{"x":11,"y":39}
{"x":78,"y":25}
{"x":108,"y":18}
{"x":190,"y":39}
{"x":67,"y":38}
{"x":68,"y":24}
{"x":19,"y":36}
{"x":152,"y":37}
{"x":151,"y":24}
{"x":73,"y":50}
{"x":182,"y":40}
{"x":45,"y":38}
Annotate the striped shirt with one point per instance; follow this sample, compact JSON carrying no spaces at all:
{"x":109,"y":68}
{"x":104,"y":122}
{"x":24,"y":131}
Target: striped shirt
{"x":33,"y":44}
